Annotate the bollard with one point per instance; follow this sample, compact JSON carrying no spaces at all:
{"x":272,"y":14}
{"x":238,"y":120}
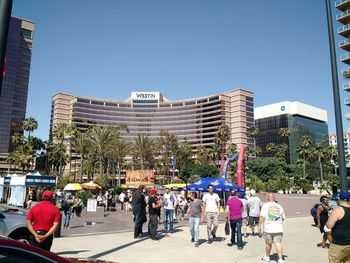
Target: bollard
{"x":57,"y":233}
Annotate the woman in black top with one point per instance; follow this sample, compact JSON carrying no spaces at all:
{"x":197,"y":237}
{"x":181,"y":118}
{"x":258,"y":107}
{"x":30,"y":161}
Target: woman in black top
{"x":322,"y":216}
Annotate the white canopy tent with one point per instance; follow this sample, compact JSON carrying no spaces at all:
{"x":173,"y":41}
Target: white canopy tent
{"x":17,"y":190}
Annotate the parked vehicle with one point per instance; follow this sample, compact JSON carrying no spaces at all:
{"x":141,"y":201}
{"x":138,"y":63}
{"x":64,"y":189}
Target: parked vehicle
{"x":13,"y":225}
{"x":15,"y":251}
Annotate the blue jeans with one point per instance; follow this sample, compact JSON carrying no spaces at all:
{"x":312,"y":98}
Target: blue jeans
{"x":66,"y":219}
{"x":194,"y":227}
{"x":168,"y":218}
{"x":236,"y":226}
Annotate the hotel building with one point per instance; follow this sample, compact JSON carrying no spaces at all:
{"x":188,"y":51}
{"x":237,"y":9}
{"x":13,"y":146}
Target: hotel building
{"x":344,"y":31}
{"x":13,"y":99}
{"x":299,"y":118}
{"x":193,"y":120}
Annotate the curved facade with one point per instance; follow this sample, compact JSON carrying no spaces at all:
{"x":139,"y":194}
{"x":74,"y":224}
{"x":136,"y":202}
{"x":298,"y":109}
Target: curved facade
{"x":194,"y":120}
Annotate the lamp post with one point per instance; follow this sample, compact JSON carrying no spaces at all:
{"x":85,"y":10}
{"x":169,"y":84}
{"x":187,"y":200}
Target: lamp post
{"x":337,"y":108}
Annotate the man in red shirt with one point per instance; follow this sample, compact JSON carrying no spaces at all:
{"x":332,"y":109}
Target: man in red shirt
{"x":42,"y":221}
{"x":234,"y":208}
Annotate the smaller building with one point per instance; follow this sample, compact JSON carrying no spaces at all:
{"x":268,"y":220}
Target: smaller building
{"x":299,"y":118}
{"x":334,"y":142}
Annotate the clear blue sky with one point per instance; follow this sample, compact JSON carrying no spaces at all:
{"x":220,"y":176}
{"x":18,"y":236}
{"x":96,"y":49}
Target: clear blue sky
{"x":183,"y":48}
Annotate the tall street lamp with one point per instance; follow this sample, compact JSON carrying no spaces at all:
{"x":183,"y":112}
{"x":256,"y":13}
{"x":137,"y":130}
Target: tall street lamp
{"x":338,"y":116}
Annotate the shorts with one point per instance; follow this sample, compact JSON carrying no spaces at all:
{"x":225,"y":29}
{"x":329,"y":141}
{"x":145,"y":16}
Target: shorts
{"x":253,"y":221}
{"x":244,"y":221}
{"x":273,"y":238}
{"x":339,"y":253}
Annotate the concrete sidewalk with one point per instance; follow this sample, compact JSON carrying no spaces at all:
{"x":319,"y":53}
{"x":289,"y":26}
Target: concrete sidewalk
{"x":300,"y":241}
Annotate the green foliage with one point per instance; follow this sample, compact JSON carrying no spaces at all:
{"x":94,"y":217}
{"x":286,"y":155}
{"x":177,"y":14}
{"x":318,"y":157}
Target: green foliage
{"x":204,"y":170}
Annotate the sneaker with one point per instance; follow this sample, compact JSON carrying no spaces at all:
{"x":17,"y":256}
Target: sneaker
{"x":280,"y":261}
{"x":196,"y":244}
{"x":210,"y":241}
{"x":240,"y":248}
{"x":265,"y":258}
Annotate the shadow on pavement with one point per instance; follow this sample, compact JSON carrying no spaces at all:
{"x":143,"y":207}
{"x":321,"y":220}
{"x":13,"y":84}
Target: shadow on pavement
{"x":72,"y":252}
{"x":274,"y":256}
{"x":117,"y":248}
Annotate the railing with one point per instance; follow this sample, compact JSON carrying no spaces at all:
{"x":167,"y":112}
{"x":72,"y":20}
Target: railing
{"x":343,"y":14}
{"x":343,"y":28}
{"x":345,"y":71}
{"x":346,"y":86}
{"x":345,"y":56}
{"x":337,"y":3}
{"x":344,"y":42}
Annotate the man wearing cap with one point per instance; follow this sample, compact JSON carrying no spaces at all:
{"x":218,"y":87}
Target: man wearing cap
{"x":42,"y":221}
{"x":153,"y":206}
{"x":339,"y":222}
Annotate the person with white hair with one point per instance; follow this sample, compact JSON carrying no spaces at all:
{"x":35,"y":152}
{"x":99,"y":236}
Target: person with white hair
{"x":254,"y":205}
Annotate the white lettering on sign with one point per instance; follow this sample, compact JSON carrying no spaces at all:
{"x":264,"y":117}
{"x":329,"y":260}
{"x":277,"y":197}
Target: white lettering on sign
{"x":145,"y":95}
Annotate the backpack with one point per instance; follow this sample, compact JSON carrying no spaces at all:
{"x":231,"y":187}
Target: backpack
{"x":65,"y":206}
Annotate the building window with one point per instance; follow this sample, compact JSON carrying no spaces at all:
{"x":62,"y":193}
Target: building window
{"x":27,"y":33}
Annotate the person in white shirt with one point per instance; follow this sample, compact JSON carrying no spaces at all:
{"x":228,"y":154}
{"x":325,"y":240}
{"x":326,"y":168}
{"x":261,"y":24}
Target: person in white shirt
{"x":211,"y":202}
{"x":121,"y":199}
{"x":169,"y":200}
{"x":254,"y":204}
{"x":244,"y":215}
{"x":271,"y":219}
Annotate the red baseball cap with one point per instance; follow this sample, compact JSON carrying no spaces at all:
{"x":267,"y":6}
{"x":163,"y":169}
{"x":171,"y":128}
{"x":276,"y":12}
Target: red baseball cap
{"x":47,"y":195}
{"x":153,"y":191}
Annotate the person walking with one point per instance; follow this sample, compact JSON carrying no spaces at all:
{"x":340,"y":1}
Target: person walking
{"x":153,"y":207}
{"x":139,"y":210}
{"x":196,"y":212}
{"x":234,"y":208}
{"x":254,"y":204}
{"x":244,"y":215}
{"x":211,"y":203}
{"x":169,"y":206}
{"x":67,"y":208}
{"x":270,"y":227}
{"x":322,"y":214}
{"x":339,"y":223}
{"x":42,"y":221}
{"x":121,"y":200}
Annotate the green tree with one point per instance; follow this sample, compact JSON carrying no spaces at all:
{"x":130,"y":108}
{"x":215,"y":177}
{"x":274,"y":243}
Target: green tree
{"x":252,"y":133}
{"x":82,"y":146}
{"x":119,"y":151}
{"x":304,"y":150}
{"x":142,"y":149}
{"x":29,"y":125}
{"x":101,"y":139}
{"x":284,"y":133}
{"x":221,"y":138}
{"x":320,"y":153}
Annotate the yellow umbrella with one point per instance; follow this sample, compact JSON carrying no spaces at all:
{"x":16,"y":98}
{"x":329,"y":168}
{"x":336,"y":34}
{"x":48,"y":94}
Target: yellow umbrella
{"x":73,"y":187}
{"x":175,"y":185}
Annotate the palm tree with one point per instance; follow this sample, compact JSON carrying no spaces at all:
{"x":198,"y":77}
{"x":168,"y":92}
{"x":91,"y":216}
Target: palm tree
{"x":29,"y":125}
{"x":142,"y":148}
{"x":222,"y":136}
{"x":101,"y":139}
{"x":284,"y":133}
{"x":305,"y":151}
{"x":119,"y":151}
{"x":81,"y":144}
{"x":60,"y":132}
{"x":252,"y":133}
{"x":332,"y":154}
{"x":319,"y":152}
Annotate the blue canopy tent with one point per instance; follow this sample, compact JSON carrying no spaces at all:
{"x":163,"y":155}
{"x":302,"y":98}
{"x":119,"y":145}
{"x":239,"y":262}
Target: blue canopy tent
{"x":219,"y":184}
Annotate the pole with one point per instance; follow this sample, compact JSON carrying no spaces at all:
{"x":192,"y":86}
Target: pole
{"x":5,"y":16}
{"x":338,"y":115}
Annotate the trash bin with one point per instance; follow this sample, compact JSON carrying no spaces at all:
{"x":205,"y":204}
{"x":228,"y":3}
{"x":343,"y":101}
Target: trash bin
{"x":57,"y":233}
